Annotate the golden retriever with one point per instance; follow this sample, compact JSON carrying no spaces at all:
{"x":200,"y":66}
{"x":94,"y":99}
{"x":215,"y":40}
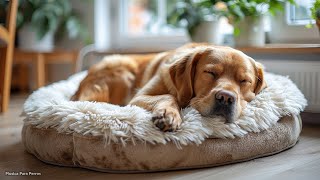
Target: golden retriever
{"x":215,"y":80}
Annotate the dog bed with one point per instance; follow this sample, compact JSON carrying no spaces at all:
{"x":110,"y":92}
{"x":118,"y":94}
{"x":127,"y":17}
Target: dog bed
{"x":110,"y":138}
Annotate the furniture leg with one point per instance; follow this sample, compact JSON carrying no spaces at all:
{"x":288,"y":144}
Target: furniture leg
{"x":2,"y":70}
{"x":40,"y":70}
{"x":6,"y":70}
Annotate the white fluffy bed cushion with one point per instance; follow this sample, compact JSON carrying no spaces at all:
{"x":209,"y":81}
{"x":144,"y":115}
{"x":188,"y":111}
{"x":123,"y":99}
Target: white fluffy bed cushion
{"x":49,"y":107}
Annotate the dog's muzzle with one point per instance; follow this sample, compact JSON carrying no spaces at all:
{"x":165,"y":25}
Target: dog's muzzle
{"x":225,"y":105}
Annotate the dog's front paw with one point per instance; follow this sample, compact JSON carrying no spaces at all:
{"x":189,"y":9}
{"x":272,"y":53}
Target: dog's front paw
{"x":166,"y":119}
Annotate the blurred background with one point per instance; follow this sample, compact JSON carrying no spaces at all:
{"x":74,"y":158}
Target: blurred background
{"x":56,"y":38}
{"x":44,"y":41}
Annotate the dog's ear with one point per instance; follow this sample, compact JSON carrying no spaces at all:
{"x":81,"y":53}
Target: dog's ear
{"x":182,"y":73}
{"x":261,"y":83}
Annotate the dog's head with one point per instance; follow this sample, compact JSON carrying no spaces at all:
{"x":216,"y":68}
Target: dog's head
{"x":216,"y":80}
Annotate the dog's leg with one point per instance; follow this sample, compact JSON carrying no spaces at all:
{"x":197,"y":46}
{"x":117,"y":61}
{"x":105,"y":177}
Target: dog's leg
{"x":92,"y":89}
{"x":112,"y":80}
{"x":155,"y":97}
{"x":164,"y":108}
{"x":112,"y":87}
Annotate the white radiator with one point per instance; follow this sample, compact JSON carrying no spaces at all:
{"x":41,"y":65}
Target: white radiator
{"x":305,"y":74}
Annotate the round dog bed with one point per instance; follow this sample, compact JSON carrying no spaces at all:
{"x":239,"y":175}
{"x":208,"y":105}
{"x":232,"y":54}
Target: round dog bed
{"x":106,"y":137}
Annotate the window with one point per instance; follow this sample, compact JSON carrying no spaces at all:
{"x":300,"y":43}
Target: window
{"x":291,"y":28}
{"x":143,"y":17}
{"x":135,"y":25}
{"x":142,"y":24}
{"x":300,"y":14}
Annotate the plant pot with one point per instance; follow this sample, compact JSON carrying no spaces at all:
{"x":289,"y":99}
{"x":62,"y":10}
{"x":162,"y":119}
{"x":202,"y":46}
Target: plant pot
{"x":251,"y":32}
{"x":208,"y":31}
{"x":28,"y":40}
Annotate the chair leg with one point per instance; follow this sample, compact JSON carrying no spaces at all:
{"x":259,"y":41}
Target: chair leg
{"x":40,"y":70}
{"x":6,"y":77}
{"x":2,"y":70}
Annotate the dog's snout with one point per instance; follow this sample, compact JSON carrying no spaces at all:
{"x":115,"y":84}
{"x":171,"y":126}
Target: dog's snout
{"x":225,"y":105}
{"x":226,"y":98}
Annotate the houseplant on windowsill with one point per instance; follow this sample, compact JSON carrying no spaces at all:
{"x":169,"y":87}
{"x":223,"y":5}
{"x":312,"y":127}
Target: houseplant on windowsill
{"x":247,"y":17}
{"x":41,"y":22}
{"x":200,"y":18}
{"x":315,"y":13}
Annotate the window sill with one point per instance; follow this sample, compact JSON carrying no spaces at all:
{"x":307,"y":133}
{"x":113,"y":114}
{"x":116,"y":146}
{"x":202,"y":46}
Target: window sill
{"x":283,"y":48}
{"x":268,"y":48}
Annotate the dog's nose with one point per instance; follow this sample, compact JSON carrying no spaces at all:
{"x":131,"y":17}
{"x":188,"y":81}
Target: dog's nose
{"x":226,"y":98}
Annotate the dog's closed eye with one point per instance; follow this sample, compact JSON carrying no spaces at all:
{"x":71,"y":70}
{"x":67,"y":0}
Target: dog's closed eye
{"x":245,"y":82}
{"x":213,"y":74}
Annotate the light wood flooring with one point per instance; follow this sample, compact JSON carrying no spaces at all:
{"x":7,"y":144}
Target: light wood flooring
{"x":299,"y":162}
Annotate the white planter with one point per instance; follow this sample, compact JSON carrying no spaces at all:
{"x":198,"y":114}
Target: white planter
{"x":251,"y":32}
{"x":28,"y":40}
{"x":209,"y":31}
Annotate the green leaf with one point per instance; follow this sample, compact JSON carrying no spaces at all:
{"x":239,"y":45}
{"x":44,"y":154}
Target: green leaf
{"x":317,"y":13}
{"x":65,"y":6}
{"x":272,"y":12}
{"x":35,"y":3}
{"x":52,"y":22}
{"x":309,"y":26}
{"x":20,"y":19}
{"x":204,"y":4}
{"x":73,"y":27}
{"x":42,"y":29}
{"x":236,"y":31}
{"x":52,"y":8}
{"x":44,"y":22}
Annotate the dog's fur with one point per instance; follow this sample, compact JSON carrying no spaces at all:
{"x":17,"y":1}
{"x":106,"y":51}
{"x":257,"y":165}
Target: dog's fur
{"x":215,"y":80}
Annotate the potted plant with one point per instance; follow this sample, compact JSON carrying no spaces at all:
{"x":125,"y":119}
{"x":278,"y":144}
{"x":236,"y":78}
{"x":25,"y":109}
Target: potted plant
{"x":315,"y":13}
{"x":200,"y":18}
{"x":40,"y":22}
{"x":247,"y":17}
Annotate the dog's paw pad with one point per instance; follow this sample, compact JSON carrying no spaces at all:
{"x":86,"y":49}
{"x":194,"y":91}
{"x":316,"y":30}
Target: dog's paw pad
{"x":166,"y":121}
{"x":161,"y":125}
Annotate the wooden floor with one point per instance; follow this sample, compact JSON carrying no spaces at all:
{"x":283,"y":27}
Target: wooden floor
{"x":300,"y":162}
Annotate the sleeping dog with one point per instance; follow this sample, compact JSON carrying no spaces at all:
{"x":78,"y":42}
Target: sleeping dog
{"x":215,"y":80}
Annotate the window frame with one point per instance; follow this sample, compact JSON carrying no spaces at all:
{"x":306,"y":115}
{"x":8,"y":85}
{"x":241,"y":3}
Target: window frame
{"x":289,"y":11}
